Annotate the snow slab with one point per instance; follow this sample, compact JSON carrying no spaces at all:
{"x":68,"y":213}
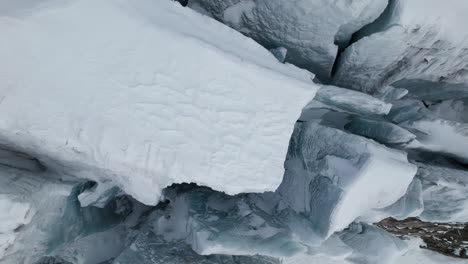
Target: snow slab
{"x":144,"y":94}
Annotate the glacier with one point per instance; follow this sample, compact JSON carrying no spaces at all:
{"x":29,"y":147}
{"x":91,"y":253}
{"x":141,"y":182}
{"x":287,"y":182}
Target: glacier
{"x":236,"y":131}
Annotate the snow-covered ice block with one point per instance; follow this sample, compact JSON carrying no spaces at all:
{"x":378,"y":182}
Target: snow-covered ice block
{"x":144,"y":94}
{"x":311,"y":30}
{"x":381,"y":131}
{"x":445,"y":193}
{"x":410,"y":205}
{"x":406,"y":43}
{"x":372,"y":245}
{"x":334,"y":177}
{"x":341,"y":99}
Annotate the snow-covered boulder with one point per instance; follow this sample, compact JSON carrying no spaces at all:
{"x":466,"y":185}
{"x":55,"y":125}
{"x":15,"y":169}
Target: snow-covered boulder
{"x":142,"y":94}
{"x":311,"y":30}
{"x":413,"y":40}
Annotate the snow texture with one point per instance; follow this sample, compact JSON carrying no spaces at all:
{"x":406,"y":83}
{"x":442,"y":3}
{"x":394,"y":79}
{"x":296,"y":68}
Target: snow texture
{"x":151,"y":95}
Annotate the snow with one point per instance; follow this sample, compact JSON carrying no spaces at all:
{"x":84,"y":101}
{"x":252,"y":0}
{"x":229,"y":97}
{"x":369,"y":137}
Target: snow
{"x":443,"y":136}
{"x":408,"y":42}
{"x":311,"y":31}
{"x":151,"y":95}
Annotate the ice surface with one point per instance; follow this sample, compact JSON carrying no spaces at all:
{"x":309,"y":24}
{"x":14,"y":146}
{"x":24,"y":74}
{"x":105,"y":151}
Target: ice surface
{"x":40,"y":212}
{"x":391,"y":93}
{"x":433,"y":91}
{"x":150,"y":248}
{"x":384,"y":132}
{"x":280,"y":53}
{"x":409,"y":205}
{"x":408,"y":42}
{"x":19,"y":160}
{"x":454,"y":110}
{"x":153,"y":94}
{"x":345,"y":100}
{"x":311,"y":31}
{"x":30,"y":204}
{"x":99,"y":195}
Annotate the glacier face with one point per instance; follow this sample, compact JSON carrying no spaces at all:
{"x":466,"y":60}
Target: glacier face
{"x":145,"y":132}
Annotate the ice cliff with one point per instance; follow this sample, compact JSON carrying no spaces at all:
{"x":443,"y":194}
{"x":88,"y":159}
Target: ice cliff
{"x":236,"y":131}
